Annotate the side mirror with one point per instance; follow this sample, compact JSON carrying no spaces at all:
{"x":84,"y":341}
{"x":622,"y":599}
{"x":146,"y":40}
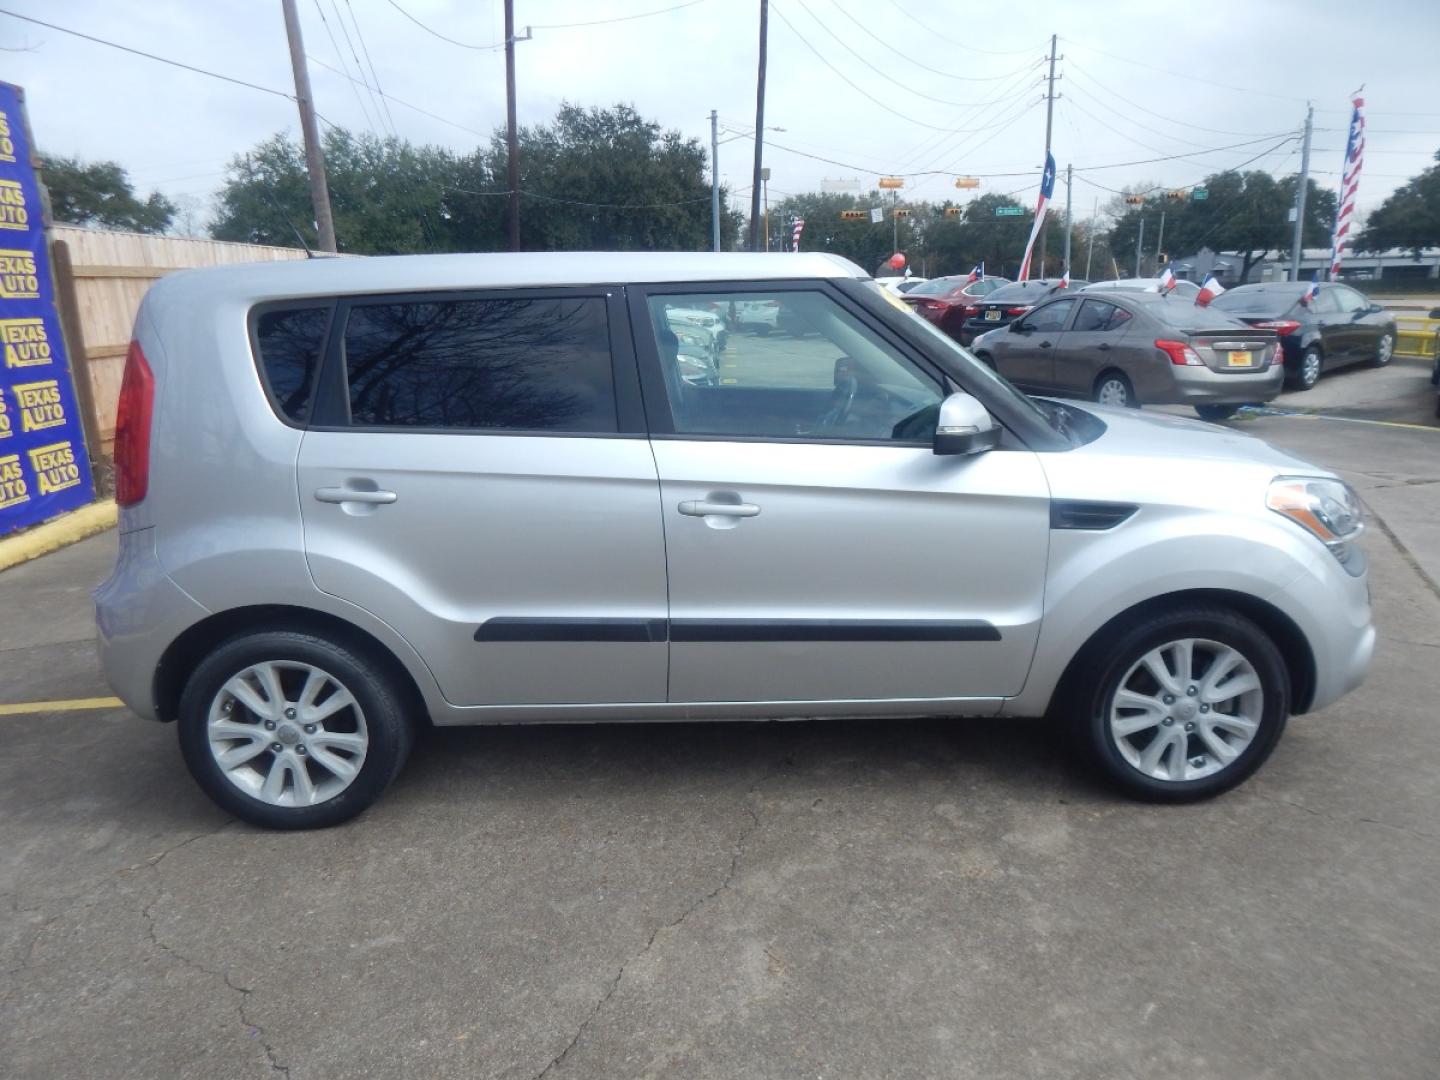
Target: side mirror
{"x":964,"y":427}
{"x":1019,"y":327}
{"x":1435,"y":314}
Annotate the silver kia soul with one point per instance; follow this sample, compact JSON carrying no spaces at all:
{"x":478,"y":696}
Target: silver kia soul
{"x":363,"y":494}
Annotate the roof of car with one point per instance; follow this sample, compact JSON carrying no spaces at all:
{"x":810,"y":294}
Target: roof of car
{"x":404,"y":273}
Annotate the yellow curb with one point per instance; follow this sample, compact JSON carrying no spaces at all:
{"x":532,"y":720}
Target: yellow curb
{"x":53,"y":535}
{"x":29,"y":708}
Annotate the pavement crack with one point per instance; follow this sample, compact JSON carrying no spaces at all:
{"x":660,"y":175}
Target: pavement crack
{"x":152,"y":861}
{"x":1404,"y":552}
{"x":737,"y":851}
{"x":1347,"y":821}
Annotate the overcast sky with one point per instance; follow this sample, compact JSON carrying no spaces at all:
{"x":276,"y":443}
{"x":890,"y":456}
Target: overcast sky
{"x":951,"y":87}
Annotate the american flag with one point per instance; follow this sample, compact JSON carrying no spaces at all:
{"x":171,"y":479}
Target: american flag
{"x":795,"y":238}
{"x":1349,"y":183}
{"x":1047,"y":188}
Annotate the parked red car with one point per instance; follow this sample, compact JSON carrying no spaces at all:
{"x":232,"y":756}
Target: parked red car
{"x":949,"y":301}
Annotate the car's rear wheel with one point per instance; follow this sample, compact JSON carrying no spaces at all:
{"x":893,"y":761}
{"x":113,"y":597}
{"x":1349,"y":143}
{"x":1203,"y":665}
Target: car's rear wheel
{"x":1216,"y":412}
{"x":1384,"y":350}
{"x":1182,"y":706}
{"x":1307,"y":372}
{"x":289,"y":730}
{"x":1113,"y":388}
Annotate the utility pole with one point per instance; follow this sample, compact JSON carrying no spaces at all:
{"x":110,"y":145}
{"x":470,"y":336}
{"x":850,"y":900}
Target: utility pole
{"x":314,"y":156}
{"x":714,"y":180}
{"x":895,"y":221}
{"x":1158,"y":241}
{"x":1049,"y":126}
{"x":1301,"y":190}
{"x":765,"y":213}
{"x":1069,"y":179}
{"x":1090,"y":248}
{"x":759,"y":130}
{"x":512,"y":136}
{"x":1139,"y":247}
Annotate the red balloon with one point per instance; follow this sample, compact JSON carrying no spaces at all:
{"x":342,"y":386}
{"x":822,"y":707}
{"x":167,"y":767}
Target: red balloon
{"x":897,"y":261}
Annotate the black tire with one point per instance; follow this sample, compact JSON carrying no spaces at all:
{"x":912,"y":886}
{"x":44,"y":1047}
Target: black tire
{"x":1107,"y":661}
{"x":1216,"y":412}
{"x":384,"y":703}
{"x":763,"y":330}
{"x":1122,"y":386}
{"x":1307,"y":371}
{"x":1384,"y":350}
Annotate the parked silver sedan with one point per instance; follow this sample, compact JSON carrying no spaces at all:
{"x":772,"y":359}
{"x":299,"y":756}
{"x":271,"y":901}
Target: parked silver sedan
{"x":1129,"y":348}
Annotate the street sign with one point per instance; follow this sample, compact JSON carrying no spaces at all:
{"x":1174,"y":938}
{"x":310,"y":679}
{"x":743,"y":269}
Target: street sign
{"x":1200,"y":194}
{"x":966,"y":182}
{"x":1009,"y":211}
{"x":835,"y":184}
{"x":854,"y":215}
{"x":877,"y":214}
{"x":888,"y":183}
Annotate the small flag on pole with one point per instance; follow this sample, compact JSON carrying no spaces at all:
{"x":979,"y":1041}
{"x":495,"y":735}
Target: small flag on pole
{"x":1065,"y":279}
{"x":795,"y":237}
{"x":978,"y":274}
{"x":1047,"y":188}
{"x":1313,"y":291}
{"x":1167,"y":281}
{"x":1209,"y":291}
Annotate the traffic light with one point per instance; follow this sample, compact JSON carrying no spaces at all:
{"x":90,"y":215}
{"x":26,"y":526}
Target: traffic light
{"x":952,"y":211}
{"x":902,"y":211}
{"x":854,"y":215}
{"x":1134,"y":200}
{"x":1175,"y":196}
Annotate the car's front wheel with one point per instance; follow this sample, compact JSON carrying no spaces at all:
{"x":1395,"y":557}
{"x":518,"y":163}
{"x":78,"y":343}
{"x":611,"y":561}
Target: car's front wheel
{"x":1182,"y":706}
{"x":1307,"y":373}
{"x":289,"y":730}
{"x":1384,"y":350}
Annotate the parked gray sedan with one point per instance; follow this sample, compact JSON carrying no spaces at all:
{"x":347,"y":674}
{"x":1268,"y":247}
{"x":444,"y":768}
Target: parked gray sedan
{"x":1133,"y":347}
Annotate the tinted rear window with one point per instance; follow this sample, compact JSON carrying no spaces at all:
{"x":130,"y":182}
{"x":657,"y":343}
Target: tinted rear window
{"x":1184,"y":314}
{"x":512,"y":364}
{"x":290,"y":344}
{"x":937,"y":286}
{"x":1259,"y":301}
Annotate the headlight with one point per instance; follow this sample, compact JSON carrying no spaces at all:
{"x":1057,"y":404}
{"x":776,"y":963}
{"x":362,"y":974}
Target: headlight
{"x":1327,"y":509}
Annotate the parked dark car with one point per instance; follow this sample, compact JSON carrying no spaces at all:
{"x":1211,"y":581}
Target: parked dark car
{"x":1435,"y":371}
{"x":1132,"y":347}
{"x":1008,"y":303}
{"x":1339,"y":326}
{"x":948,"y":302}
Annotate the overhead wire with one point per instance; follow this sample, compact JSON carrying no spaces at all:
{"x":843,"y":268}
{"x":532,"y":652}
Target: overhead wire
{"x":1170,"y":72}
{"x":403,"y":103}
{"x":339,"y":55}
{"x":616,"y":18}
{"x":959,"y":44}
{"x":374,"y":75}
{"x":913,"y":62}
{"x":359,"y":67}
{"x":1072,"y":68}
{"x":443,"y":37}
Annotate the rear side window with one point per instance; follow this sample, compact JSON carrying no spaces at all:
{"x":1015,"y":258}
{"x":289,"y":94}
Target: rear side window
{"x":536,"y":364}
{"x":291,"y":343}
{"x":1098,"y":315}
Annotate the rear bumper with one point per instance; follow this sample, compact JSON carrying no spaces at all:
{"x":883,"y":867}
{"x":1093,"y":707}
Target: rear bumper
{"x":1204,"y":385}
{"x":139,"y":611}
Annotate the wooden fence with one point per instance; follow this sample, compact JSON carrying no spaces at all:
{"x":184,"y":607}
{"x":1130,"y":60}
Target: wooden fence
{"x":102,"y":277}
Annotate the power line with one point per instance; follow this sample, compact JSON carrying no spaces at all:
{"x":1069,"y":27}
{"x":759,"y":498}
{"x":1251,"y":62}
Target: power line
{"x":916,"y":63}
{"x":151,"y":56}
{"x":593,"y":205}
{"x":319,"y":10}
{"x":617,"y":18}
{"x":359,"y":67}
{"x":403,"y":104}
{"x":1072,"y":68}
{"x":374,"y":75}
{"x":1146,"y":146}
{"x":930,"y":143}
{"x":436,"y":33}
{"x":1177,"y":157}
{"x":959,"y":44}
{"x":1189,"y":78}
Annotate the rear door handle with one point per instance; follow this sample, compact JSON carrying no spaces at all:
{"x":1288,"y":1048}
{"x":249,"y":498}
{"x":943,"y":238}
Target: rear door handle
{"x":701,"y":508}
{"x":1044,"y":345}
{"x":1104,"y":346}
{"x":354,"y":495}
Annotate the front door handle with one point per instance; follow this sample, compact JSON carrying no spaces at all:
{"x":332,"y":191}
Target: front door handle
{"x":1104,"y":346}
{"x":354,"y":495}
{"x":1044,"y":345}
{"x":701,"y":508}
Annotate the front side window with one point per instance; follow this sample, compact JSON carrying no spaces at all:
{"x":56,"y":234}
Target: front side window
{"x":791,"y":365}
{"x":291,"y":343}
{"x":1050,"y":318}
{"x":521,"y":364}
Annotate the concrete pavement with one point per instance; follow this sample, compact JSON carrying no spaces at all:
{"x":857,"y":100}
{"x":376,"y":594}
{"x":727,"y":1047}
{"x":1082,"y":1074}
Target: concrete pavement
{"x":900,"y":899}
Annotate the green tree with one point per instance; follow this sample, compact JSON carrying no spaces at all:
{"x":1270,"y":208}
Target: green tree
{"x":100,"y":193}
{"x":1409,"y":218}
{"x":867,"y":244}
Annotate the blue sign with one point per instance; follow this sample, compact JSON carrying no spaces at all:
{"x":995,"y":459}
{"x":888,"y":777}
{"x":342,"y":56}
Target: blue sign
{"x":44,"y":469}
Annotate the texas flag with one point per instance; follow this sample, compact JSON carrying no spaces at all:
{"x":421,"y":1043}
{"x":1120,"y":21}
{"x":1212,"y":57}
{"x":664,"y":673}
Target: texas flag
{"x":1064,"y":279}
{"x":1313,"y":291}
{"x":1047,"y":188}
{"x":978,"y":274}
{"x":1167,"y":281}
{"x":1209,"y":290}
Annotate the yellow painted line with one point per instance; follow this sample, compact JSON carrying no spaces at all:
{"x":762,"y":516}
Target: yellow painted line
{"x":29,"y":708}
{"x":53,"y":535}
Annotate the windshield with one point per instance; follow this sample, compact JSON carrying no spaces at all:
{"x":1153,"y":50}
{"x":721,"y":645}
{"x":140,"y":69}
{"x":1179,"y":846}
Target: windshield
{"x":1029,"y":292}
{"x":964,"y":359}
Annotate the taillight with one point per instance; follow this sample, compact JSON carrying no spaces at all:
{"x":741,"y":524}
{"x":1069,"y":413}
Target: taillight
{"x":1018,"y":310}
{"x":132,"y":428}
{"x":1180,"y":354}
{"x":1280,"y":326}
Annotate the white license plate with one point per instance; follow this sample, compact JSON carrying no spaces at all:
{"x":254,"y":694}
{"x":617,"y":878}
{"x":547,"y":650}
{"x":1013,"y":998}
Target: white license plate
{"x":1239,"y":358}
{"x":992,"y":315}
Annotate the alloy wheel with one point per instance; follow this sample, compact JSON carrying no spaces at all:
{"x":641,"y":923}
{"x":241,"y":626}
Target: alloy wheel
{"x":1384,"y":350}
{"x":287,"y":733}
{"x":1309,"y":368}
{"x":1186,"y":710}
